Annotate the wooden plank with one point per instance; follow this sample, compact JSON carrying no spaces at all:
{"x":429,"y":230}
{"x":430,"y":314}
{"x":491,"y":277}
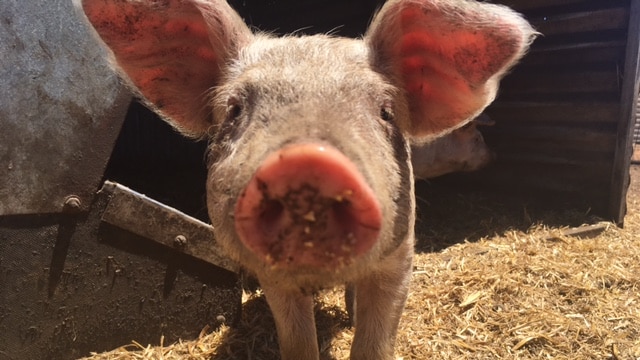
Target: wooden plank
{"x":537,"y":153}
{"x":533,"y":145}
{"x":540,"y":160}
{"x":546,"y":82}
{"x":522,"y":5}
{"x":591,"y":21}
{"x":628,"y":101}
{"x":574,"y":53}
{"x":554,"y":177}
{"x":560,"y":112}
{"x":545,"y":180}
{"x":552,"y":82}
{"x":582,"y":232}
{"x":572,"y":138}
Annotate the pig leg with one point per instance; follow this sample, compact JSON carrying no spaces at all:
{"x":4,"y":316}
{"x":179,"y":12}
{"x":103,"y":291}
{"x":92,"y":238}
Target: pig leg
{"x":379,"y":301}
{"x":350,"y":302}
{"x":295,"y":322}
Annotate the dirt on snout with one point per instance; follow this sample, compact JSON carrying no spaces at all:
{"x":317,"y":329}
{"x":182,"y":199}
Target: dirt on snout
{"x":304,"y":227}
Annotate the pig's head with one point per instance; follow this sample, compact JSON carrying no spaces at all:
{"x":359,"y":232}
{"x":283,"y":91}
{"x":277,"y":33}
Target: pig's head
{"x":463,"y":149}
{"x":310,"y":175}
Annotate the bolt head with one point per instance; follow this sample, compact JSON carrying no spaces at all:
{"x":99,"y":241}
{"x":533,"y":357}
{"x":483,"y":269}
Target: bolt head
{"x":180,"y":241}
{"x":72,"y":204}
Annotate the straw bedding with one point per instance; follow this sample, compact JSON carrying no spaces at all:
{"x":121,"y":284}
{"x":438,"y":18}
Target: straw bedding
{"x":500,"y":286}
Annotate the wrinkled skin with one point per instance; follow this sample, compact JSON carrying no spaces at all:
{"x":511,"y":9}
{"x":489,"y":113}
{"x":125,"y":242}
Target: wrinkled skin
{"x":310,"y":179}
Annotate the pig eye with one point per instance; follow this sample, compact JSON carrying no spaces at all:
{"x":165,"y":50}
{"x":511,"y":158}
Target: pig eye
{"x":386,"y":113}
{"x":234,"y":108}
{"x":234,"y":111}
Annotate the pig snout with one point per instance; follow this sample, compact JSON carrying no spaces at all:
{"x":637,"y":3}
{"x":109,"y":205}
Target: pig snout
{"x":307,"y":205}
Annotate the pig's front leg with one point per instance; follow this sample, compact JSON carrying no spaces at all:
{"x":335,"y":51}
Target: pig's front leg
{"x":295,"y":322}
{"x":379,"y":302}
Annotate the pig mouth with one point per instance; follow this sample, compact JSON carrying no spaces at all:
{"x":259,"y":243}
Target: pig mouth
{"x":323,"y":217}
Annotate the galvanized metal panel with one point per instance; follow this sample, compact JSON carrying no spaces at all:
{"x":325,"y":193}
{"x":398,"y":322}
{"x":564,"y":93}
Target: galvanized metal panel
{"x":60,"y":111}
{"x":72,"y":284}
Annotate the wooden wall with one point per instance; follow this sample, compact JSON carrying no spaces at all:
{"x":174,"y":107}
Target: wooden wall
{"x":563,"y":125}
{"x":637,"y":125}
{"x":636,"y":130}
{"x":564,"y":120}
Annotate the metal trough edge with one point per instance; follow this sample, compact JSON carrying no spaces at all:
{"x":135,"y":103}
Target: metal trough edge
{"x":143,"y":216}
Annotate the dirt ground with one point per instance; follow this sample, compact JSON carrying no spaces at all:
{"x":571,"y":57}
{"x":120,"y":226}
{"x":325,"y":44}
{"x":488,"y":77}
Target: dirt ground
{"x":490,"y":281}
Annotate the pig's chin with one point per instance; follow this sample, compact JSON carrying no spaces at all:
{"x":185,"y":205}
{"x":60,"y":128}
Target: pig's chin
{"x":328,"y":253}
{"x":313,"y":275}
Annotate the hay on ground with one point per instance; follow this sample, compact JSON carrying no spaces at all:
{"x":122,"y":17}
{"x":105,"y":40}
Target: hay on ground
{"x":532,"y":294}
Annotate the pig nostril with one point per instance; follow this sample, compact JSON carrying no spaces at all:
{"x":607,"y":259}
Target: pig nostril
{"x":343,"y":212}
{"x":341,"y":209}
{"x":271,"y":216}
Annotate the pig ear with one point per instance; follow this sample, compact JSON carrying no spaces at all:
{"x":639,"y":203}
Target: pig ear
{"x":447,"y":55}
{"x":171,"y":51}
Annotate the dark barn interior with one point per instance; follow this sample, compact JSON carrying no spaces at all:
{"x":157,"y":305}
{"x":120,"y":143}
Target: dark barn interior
{"x":564,"y":116}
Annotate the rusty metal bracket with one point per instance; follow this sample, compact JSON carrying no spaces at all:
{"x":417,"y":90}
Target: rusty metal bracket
{"x":153,"y":220}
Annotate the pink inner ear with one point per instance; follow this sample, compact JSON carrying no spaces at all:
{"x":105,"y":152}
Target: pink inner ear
{"x":167,"y":51}
{"x":449,"y":56}
{"x":476,"y":48}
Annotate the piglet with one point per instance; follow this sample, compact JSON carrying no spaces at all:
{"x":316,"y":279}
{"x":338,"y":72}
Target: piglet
{"x":462,"y":149}
{"x":310,"y":180}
